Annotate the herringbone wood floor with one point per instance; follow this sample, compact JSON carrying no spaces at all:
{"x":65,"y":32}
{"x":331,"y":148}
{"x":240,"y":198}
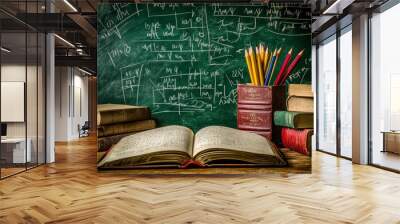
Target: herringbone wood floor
{"x":72,"y":191}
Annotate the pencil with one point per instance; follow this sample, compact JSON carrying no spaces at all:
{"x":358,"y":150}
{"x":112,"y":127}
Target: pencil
{"x":269,"y":61}
{"x":292,"y":66}
{"x":260,"y":70}
{"x":262,"y":54}
{"x":271,"y":65}
{"x":273,"y":68}
{"x":266,"y":59}
{"x":283,"y":67}
{"x":248,"y":63}
{"x":253,"y":66}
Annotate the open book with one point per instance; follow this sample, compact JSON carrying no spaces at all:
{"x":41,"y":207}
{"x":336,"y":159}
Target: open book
{"x":178,"y":146}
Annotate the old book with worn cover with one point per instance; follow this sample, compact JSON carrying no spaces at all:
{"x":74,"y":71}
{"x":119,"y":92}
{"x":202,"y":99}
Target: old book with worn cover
{"x":297,"y":140}
{"x":300,"y":104}
{"x":105,"y":143}
{"x":255,"y":108}
{"x":120,"y":113}
{"x":304,"y":90}
{"x":178,"y":146}
{"x":289,"y":119}
{"x":122,"y":128}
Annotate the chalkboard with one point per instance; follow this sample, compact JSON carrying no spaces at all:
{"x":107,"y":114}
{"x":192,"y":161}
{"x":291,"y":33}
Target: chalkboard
{"x":185,"y":60}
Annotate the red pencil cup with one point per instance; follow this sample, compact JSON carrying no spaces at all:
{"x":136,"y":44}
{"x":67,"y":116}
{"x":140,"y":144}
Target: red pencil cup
{"x":256,"y":106}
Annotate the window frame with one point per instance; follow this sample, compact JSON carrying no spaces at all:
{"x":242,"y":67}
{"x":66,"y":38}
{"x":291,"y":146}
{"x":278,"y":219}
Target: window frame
{"x":337,"y":38}
{"x":381,"y":9}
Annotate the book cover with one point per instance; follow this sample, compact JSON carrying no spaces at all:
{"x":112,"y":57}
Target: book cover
{"x":300,"y":104}
{"x":294,"y":119}
{"x":256,"y":120}
{"x":300,"y":90}
{"x":118,"y":113}
{"x":297,"y":140}
{"x":255,"y":108}
{"x":249,"y":94}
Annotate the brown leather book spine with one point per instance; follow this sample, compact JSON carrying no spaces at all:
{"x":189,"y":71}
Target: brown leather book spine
{"x":265,"y":107}
{"x":254,"y":120}
{"x":256,"y":105}
{"x":248,"y":94}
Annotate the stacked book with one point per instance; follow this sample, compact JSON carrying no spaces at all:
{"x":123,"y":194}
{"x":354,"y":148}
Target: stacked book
{"x":298,"y":121}
{"x":255,"y":107}
{"x":115,"y":121}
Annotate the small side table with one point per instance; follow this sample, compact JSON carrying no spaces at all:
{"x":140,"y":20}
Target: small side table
{"x":391,"y":141}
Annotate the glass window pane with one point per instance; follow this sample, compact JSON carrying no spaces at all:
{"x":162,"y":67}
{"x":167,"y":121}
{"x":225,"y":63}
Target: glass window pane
{"x":13,"y":86}
{"x":385,"y":84}
{"x":327,"y":96}
{"x":346,"y":94}
{"x":23,"y":85}
{"x":31,"y":97}
{"x":41,"y":99}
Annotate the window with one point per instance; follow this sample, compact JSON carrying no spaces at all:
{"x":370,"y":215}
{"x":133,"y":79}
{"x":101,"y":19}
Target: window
{"x":22,"y":75}
{"x":385,"y":88}
{"x":346,"y":93}
{"x":326,"y":88}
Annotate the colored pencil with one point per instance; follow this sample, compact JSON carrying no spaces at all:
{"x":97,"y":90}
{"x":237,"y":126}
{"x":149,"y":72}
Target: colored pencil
{"x":248,"y":63}
{"x":261,"y":48}
{"x":291,"y":67}
{"x":260,"y":70}
{"x":283,"y":67}
{"x":269,"y":61}
{"x":271,"y":65}
{"x":266,"y":59}
{"x":254,"y":66}
{"x":273,"y":68}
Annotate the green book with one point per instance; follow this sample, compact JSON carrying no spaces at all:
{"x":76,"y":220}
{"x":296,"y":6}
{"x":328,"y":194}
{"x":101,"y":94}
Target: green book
{"x":294,"y":119}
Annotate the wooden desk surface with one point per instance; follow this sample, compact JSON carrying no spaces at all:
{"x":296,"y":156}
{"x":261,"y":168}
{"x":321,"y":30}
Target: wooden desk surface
{"x":298,"y":163}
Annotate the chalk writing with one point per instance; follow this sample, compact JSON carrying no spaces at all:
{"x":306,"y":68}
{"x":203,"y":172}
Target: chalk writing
{"x":186,"y":59}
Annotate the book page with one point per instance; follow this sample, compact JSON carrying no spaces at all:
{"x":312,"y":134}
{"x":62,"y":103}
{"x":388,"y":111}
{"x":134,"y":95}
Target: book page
{"x":169,"y":138}
{"x":217,"y":137}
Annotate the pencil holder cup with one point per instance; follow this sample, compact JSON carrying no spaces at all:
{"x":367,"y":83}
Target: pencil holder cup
{"x":256,"y":106}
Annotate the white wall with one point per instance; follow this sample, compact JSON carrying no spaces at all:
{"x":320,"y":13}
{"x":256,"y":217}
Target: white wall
{"x":71,"y":102}
{"x":61,"y":103}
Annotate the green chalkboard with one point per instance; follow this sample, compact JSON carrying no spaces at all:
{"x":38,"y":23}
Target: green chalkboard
{"x":185,"y":60}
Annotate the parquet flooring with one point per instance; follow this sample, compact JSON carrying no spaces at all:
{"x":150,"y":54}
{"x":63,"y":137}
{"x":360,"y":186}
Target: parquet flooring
{"x":72,"y":191}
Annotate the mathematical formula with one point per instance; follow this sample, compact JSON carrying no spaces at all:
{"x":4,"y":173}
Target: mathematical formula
{"x":189,"y":56}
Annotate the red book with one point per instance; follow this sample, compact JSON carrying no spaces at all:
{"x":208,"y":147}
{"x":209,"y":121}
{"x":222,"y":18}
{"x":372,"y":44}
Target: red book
{"x":255,"y":120}
{"x":255,"y":108}
{"x":249,"y":94}
{"x":297,"y":140}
